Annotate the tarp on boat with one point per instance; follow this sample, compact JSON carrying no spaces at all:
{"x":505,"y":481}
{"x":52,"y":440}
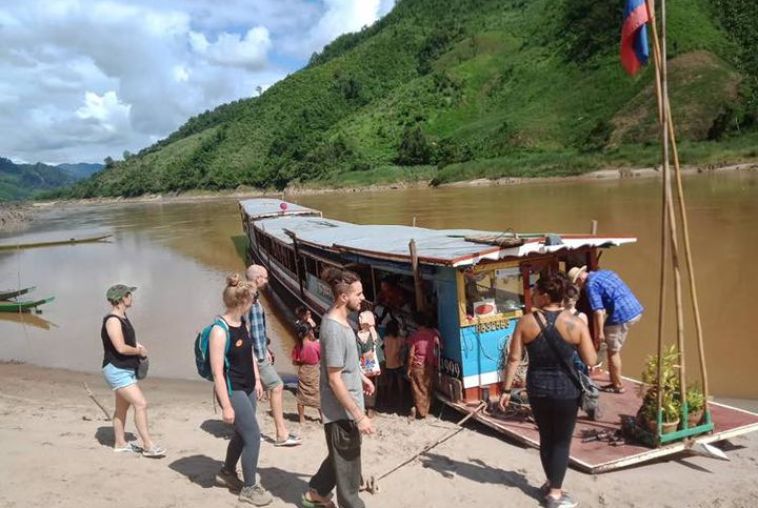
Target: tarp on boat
{"x":446,"y":247}
{"x":266,"y":207}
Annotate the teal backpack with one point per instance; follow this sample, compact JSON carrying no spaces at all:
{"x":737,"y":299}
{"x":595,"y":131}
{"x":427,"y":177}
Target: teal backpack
{"x":202,"y":353}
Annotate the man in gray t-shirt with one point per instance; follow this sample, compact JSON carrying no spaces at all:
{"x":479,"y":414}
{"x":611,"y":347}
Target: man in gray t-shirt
{"x":339,"y":350}
{"x":342,"y":387}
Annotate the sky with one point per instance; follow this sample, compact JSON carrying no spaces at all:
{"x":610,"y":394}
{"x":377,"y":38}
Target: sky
{"x":81,"y":80}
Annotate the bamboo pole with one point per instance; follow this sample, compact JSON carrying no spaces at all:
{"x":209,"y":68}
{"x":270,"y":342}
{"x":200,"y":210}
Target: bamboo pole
{"x":664,"y":214}
{"x":672,"y":216}
{"x":690,"y":265}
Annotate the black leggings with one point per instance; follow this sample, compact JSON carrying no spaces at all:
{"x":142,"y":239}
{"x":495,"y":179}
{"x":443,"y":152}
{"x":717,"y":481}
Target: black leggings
{"x":555,"y":420}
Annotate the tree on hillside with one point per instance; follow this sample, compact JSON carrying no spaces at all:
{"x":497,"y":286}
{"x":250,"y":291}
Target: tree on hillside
{"x":414,"y":148}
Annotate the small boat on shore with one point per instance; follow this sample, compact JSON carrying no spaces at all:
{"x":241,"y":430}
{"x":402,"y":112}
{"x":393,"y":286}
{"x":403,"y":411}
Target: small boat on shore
{"x":7,"y":294}
{"x":23,"y":306}
{"x":476,"y":283}
{"x":53,"y":243}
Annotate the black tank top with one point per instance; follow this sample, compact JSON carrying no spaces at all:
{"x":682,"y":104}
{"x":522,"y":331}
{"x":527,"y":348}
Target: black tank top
{"x":110,"y":355}
{"x":241,"y":373}
{"x":546,"y":376}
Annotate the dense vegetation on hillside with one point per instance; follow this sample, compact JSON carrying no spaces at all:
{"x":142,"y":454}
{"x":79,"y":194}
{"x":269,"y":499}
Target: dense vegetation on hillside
{"x":471,"y":88}
{"x":19,"y":181}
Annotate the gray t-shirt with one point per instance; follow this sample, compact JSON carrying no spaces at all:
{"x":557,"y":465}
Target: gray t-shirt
{"x":339,"y":349}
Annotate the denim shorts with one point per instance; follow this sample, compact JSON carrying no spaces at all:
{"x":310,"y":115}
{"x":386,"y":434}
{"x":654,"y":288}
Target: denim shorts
{"x":119,"y":378}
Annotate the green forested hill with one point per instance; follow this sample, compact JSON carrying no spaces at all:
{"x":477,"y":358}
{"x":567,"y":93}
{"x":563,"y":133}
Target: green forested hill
{"x":464,"y":88}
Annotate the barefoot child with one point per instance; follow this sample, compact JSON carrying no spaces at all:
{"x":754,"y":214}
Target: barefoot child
{"x":394,"y":349}
{"x":306,"y":355}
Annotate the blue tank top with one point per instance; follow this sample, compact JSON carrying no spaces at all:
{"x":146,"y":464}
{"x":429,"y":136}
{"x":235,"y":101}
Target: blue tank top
{"x":546,"y":377}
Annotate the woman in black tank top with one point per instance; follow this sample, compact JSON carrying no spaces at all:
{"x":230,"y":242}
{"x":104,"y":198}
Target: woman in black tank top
{"x":121,"y":357}
{"x":553,"y":397}
{"x":238,"y":387}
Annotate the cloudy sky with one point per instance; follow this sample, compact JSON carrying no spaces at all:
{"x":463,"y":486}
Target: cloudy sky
{"x":84,"y":79}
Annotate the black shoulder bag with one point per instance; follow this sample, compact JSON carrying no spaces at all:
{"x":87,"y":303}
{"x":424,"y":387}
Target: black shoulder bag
{"x":589,"y":400}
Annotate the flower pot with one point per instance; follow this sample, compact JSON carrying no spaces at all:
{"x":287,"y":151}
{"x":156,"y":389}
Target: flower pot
{"x":667,"y":427}
{"x":693,"y":419}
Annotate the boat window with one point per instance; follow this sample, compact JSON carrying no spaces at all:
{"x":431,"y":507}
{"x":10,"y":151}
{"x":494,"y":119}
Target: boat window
{"x":494,"y":291}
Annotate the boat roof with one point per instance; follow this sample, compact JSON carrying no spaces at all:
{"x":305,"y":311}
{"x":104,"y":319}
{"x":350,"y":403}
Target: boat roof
{"x":441,"y":247}
{"x":267,"y":207}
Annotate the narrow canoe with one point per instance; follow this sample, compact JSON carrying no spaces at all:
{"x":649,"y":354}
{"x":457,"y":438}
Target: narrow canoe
{"x":7,"y":294}
{"x":24,"y":305}
{"x":69,"y":241}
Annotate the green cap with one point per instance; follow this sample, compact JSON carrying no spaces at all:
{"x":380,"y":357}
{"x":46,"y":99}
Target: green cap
{"x":118,"y":292}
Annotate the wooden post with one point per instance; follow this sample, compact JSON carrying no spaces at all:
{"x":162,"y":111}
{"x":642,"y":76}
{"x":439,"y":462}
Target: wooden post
{"x":593,"y":227}
{"x":414,"y":221}
{"x":298,"y":271}
{"x":417,"y":282}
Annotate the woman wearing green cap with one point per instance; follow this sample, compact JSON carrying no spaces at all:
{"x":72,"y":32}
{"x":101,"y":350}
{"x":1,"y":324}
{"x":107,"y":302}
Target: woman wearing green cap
{"x":121,"y":357}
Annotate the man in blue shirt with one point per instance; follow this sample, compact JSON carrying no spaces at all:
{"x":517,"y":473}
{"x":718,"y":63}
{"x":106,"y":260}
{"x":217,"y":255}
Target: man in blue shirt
{"x":614,"y":310}
{"x":270,"y":379}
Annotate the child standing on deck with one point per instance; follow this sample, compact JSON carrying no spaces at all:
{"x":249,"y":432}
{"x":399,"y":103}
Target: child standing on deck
{"x":394,"y":360}
{"x":306,"y":355}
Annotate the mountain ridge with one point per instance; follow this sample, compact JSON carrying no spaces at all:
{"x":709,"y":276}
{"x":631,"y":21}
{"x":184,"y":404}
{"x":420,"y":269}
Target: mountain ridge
{"x":472,"y":88}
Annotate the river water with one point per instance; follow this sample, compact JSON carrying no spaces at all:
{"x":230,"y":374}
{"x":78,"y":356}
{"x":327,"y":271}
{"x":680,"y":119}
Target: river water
{"x":178,"y":253}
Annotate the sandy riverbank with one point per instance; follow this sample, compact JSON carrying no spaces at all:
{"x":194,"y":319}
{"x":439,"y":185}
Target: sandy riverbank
{"x":56,"y":452}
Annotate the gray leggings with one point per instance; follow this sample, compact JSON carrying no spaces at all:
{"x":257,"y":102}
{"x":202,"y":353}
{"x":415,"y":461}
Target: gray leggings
{"x":246,"y":441}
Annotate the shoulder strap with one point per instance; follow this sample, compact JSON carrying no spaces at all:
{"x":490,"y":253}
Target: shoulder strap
{"x":569,"y":370}
{"x":221,"y":322}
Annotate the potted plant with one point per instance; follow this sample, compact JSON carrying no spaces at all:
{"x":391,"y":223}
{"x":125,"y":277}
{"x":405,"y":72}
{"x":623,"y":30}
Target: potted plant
{"x":669,"y":388}
{"x":695,"y":405}
{"x":670,"y":407}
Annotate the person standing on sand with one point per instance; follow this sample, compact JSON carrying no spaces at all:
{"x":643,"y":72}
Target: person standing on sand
{"x":342,"y":389}
{"x":238,"y":401}
{"x":272,"y":383}
{"x":423,"y":358}
{"x":121,"y":357}
{"x":306,"y":356}
{"x":551,"y":335}
{"x":614,"y":310}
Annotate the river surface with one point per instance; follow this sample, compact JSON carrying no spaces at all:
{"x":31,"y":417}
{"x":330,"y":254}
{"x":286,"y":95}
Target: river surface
{"x":178,"y":253}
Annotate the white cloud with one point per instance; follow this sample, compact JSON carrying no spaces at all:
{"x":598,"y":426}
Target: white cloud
{"x":337,"y":17}
{"x":83,"y":79}
{"x":107,"y":111}
{"x":247,"y":51}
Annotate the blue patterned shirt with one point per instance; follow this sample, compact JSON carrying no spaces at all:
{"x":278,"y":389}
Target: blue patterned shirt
{"x":257,"y":320}
{"x":606,"y":290}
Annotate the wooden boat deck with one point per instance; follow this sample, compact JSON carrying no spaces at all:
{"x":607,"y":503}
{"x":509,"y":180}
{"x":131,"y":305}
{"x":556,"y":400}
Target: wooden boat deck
{"x":600,"y":456}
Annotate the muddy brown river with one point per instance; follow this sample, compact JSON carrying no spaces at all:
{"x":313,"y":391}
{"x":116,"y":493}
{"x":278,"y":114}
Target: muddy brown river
{"x":178,"y":253}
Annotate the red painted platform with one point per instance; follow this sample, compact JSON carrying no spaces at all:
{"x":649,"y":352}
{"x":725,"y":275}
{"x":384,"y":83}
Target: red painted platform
{"x":600,"y":456}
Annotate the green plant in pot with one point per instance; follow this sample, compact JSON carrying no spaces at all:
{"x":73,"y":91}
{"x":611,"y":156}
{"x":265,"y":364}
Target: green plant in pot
{"x":669,"y":388}
{"x":695,"y":404}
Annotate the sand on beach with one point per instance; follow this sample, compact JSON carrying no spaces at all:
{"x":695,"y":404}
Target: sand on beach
{"x":57,"y":452}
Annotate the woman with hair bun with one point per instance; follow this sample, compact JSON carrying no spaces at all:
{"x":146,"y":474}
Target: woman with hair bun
{"x":551,"y":335}
{"x":238,"y":401}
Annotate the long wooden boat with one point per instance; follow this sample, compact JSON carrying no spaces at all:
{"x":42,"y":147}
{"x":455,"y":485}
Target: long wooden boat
{"x":23,"y":306}
{"x":476,"y":283}
{"x":54,"y":243}
{"x":7,"y":294}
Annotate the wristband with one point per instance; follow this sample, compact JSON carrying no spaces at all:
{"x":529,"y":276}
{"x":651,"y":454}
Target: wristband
{"x":359,"y":420}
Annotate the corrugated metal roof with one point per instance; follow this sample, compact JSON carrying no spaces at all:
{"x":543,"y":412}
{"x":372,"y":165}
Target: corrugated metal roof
{"x":267,"y":207}
{"x":433,"y":246}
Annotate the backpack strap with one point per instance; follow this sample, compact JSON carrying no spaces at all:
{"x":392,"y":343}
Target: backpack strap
{"x":554,"y":349}
{"x":221,"y":323}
